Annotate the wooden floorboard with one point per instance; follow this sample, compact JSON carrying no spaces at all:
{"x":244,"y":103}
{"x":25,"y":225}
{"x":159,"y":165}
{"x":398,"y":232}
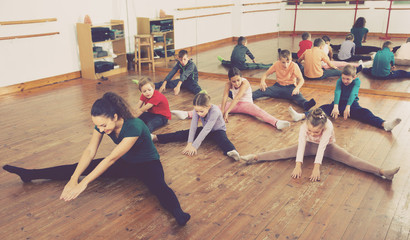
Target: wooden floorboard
{"x":227,"y":200}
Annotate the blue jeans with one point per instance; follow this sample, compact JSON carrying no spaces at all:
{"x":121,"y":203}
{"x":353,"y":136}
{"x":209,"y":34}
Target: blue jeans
{"x":393,"y":74}
{"x":356,"y":112}
{"x":190,"y":85}
{"x":218,"y":136}
{"x":153,"y":121}
{"x":279,"y":91}
{"x":326,"y":73}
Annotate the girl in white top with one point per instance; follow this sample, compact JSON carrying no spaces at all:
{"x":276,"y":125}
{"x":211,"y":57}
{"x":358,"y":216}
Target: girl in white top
{"x":242,"y":101}
{"x":316,"y":137}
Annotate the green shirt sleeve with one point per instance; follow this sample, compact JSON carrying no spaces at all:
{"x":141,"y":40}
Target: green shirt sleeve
{"x":355,"y":91}
{"x":338,"y":91}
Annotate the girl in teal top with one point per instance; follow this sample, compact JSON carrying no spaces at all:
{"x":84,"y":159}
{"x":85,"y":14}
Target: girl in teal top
{"x":360,"y":36}
{"x":134,"y":156}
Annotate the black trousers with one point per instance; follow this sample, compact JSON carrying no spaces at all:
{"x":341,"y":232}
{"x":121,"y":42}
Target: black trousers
{"x":219,"y":137}
{"x":150,"y":173}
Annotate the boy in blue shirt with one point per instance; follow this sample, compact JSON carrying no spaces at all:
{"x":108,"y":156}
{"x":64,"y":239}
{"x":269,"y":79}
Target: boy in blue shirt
{"x":188,"y":78}
{"x":383,"y":64}
{"x":346,"y":102}
{"x":238,"y":57}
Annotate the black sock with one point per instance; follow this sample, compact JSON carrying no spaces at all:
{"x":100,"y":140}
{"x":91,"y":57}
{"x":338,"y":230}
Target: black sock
{"x":180,"y":216}
{"x":307,"y":105}
{"x":23,"y":173}
{"x":359,"y":69}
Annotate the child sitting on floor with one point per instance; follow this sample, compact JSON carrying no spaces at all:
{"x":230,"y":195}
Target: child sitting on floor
{"x":305,"y":44}
{"x":383,"y":64}
{"x":153,"y":106}
{"x":346,"y":101}
{"x":188,"y":78}
{"x":313,"y":62}
{"x":238,"y":57}
{"x":347,"y":51}
{"x":241,"y":92}
{"x":213,"y":127}
{"x":289,"y":80}
{"x":403,"y":54}
{"x":317,"y":137}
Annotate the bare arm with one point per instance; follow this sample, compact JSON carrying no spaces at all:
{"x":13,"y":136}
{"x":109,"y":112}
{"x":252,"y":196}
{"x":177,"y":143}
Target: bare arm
{"x":245,"y":85}
{"x":225,"y":97}
{"x":143,"y":108}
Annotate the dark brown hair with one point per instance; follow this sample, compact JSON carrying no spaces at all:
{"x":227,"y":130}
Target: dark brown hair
{"x":111,"y":104}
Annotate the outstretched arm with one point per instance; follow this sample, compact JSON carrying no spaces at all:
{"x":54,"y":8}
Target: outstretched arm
{"x":72,"y":191}
{"x":245,"y":85}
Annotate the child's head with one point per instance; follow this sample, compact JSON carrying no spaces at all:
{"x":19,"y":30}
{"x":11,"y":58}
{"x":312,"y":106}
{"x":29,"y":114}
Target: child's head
{"x":306,"y":36}
{"x":107,"y":110}
{"x":348,"y":74}
{"x":360,"y":22}
{"x":388,"y":44}
{"x":326,"y":39}
{"x":202,"y":104}
{"x":235,"y":77}
{"x":349,"y":37}
{"x":183,"y":57}
{"x":146,"y":87}
{"x":408,"y":40}
{"x":316,"y":121}
{"x":319,"y":43}
{"x":242,"y":41}
{"x":285,"y":58}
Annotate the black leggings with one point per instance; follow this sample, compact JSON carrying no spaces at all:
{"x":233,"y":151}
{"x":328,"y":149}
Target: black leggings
{"x":150,"y":173}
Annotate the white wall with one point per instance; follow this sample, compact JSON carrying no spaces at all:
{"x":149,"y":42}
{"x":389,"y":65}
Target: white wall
{"x":28,"y":59}
{"x":23,"y":60}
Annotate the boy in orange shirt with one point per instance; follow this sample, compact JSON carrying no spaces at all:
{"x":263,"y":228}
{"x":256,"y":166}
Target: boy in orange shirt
{"x":289,"y":80}
{"x":313,"y":62}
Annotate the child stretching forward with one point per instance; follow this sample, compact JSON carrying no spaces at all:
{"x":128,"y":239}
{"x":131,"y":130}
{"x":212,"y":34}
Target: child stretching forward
{"x":305,"y":44}
{"x":213,"y":127}
{"x":242,"y":102}
{"x":153,"y":107}
{"x":316,"y":137}
{"x":188,"y":78}
{"x":346,"y":101}
{"x":238,"y":57}
{"x":289,"y":80}
{"x":313,"y":62}
{"x":384,"y":65}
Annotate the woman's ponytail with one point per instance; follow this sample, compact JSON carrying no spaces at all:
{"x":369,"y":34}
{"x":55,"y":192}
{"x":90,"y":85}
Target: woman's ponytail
{"x":111,"y":104}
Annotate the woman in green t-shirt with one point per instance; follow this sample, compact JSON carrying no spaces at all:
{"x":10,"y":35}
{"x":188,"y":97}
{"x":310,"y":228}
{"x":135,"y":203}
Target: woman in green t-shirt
{"x":134,"y":156}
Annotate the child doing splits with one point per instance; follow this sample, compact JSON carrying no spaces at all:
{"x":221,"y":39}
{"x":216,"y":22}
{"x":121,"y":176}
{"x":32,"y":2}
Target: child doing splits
{"x":241,"y":92}
{"x":213,"y":127}
{"x":316,"y":137}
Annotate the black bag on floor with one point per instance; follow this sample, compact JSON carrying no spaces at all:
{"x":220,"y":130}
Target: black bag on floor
{"x":102,"y":66}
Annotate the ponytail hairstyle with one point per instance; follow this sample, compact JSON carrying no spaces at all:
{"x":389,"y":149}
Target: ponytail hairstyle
{"x":234,"y":72}
{"x":202,"y":100}
{"x":317,"y":117}
{"x":111,"y":104}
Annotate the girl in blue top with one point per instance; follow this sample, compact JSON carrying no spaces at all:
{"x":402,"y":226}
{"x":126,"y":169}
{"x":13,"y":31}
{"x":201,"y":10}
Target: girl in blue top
{"x":346,"y":102}
{"x":134,"y":156}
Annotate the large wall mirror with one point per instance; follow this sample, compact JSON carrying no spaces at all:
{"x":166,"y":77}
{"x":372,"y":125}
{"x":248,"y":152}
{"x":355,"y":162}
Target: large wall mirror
{"x":205,"y":28}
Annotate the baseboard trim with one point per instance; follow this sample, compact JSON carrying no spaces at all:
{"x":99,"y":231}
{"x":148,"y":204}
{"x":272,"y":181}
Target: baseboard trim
{"x":20,"y":87}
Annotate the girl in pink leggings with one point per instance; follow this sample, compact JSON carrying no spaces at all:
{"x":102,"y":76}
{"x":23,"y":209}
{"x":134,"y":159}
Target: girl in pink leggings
{"x":242,"y":101}
{"x":316,"y":136}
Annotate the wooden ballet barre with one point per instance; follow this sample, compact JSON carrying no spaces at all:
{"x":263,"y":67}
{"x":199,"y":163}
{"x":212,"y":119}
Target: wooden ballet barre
{"x":264,"y":10}
{"x":260,"y":3}
{"x":200,"y":16}
{"x":323,"y":9}
{"x":203,"y":7}
{"x":29,"y":36}
{"x":28,"y":21}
